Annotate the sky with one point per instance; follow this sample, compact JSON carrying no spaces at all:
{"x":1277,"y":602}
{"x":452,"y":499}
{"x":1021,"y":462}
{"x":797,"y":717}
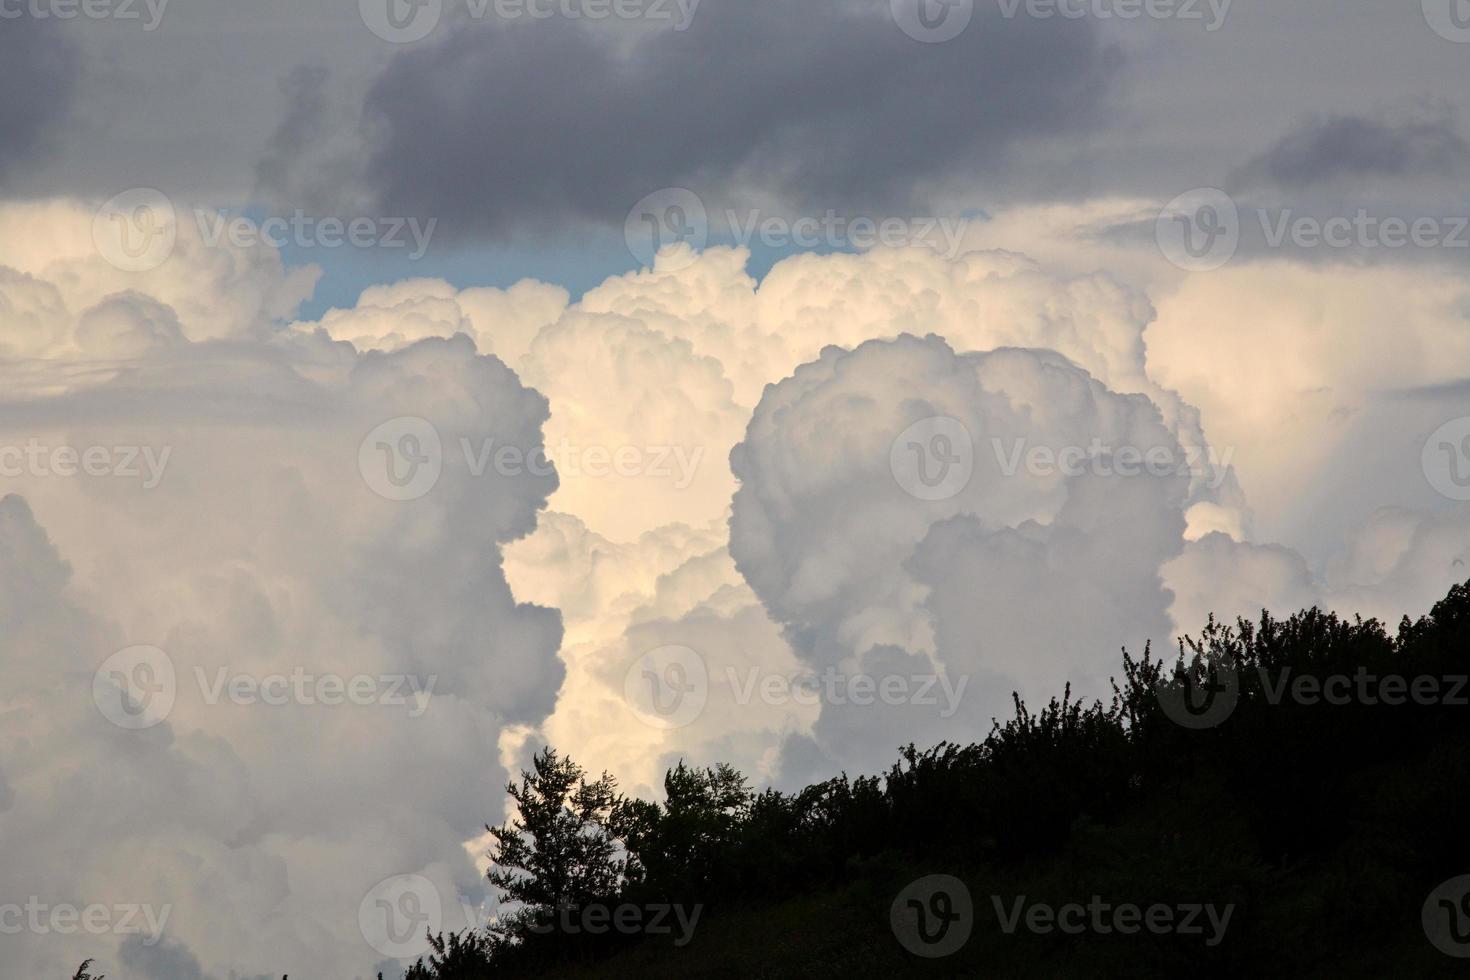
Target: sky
{"x":391,"y":389}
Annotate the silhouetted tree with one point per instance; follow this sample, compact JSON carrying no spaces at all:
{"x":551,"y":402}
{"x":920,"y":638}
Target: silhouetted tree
{"x":557,"y":852}
{"x":1325,"y":823}
{"x":679,"y":848}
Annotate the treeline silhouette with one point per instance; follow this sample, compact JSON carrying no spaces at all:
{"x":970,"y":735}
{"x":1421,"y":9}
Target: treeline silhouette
{"x":1325,"y":825}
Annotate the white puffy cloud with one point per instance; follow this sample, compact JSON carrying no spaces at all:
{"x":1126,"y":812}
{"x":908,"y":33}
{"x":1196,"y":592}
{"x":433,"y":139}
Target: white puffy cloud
{"x":1006,"y":578}
{"x":263,"y":541}
{"x":66,"y":258}
{"x":675,"y":359}
{"x":217,"y":497}
{"x":502,"y":322}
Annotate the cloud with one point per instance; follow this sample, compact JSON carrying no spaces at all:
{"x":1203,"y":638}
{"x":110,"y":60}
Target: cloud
{"x":1007,"y":577}
{"x":1351,"y":147}
{"x":822,"y":104}
{"x":500,"y":321}
{"x":681,"y":355}
{"x":38,"y":72}
{"x":265,"y":546}
{"x":240,"y":523}
{"x":52,"y":262}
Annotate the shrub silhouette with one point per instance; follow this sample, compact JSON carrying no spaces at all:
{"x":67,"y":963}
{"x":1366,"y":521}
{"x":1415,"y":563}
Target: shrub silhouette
{"x":1324,"y":825}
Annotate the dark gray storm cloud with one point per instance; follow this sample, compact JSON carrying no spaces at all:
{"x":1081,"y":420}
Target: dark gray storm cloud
{"x":38,"y":69}
{"x":1328,"y":148}
{"x":825,"y":102}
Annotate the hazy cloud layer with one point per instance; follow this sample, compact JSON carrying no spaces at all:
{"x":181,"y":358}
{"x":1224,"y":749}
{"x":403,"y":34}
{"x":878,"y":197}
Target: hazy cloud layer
{"x":39,"y":67}
{"x":821,"y":104}
{"x":1336,"y":148}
